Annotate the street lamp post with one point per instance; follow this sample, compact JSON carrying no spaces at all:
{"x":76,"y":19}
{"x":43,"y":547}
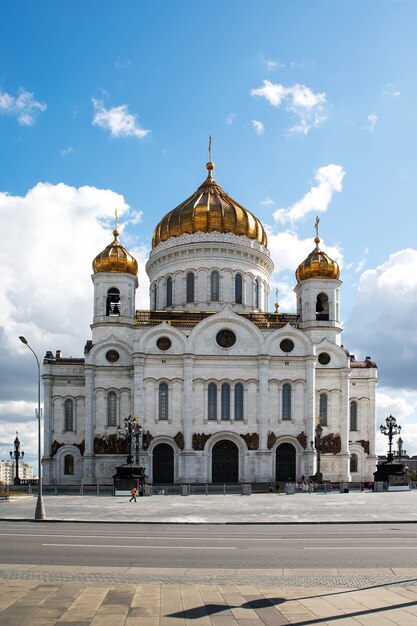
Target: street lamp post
{"x":317,"y":444}
{"x":17,"y":456}
{"x":40,"y":509}
{"x":132,"y":430}
{"x":390,"y":429}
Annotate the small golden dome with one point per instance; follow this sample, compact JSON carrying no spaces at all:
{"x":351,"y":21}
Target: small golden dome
{"x":317,"y":265}
{"x":115,"y":258}
{"x":208,"y":210}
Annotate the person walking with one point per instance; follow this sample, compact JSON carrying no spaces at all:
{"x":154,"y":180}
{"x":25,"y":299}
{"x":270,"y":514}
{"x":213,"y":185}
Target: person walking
{"x":133,"y":492}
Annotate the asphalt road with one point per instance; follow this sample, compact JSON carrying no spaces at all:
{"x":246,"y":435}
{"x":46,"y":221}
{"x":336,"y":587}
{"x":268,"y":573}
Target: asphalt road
{"x":221,"y":547}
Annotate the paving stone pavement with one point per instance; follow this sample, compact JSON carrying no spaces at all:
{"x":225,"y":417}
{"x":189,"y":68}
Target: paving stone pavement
{"x":83,"y":596}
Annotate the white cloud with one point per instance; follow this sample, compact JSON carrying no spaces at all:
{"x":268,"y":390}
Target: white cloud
{"x":383,"y":318}
{"x":404,"y":409}
{"x":230,"y":117}
{"x":258,"y":126}
{"x":122,"y":64}
{"x":391,"y":90}
{"x":372,"y":119}
{"x":67,"y":151}
{"x":299,"y":100}
{"x":273,"y":65}
{"x":24,"y":107}
{"x":318,"y":198}
{"x":117,"y":120}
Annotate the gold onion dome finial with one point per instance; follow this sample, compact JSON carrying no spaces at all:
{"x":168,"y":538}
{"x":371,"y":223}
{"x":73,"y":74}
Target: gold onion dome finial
{"x":208,"y":210}
{"x":318,"y":264}
{"x":115,"y":258}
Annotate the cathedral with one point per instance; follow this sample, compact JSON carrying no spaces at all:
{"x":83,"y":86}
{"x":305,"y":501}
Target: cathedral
{"x":224,"y":390}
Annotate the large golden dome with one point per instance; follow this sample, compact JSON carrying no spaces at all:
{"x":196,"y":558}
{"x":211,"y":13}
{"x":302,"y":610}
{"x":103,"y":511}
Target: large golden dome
{"x":318,"y":264}
{"x":115,"y":258}
{"x":208,"y":210}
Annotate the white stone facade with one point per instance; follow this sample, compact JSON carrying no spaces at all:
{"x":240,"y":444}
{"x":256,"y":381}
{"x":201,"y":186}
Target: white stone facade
{"x":225,"y":392}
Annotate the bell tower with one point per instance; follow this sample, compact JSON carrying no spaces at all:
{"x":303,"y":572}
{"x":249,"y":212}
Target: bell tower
{"x":318,"y":294}
{"x":115,"y":282}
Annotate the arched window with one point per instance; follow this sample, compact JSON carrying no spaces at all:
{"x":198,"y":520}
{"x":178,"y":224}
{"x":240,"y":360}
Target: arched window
{"x":238,"y":288}
{"x":353,"y":415}
{"x":68,"y":465}
{"x":169,"y":291}
{"x":190,"y":287}
{"x":214,"y":286}
{"x":323,"y":409}
{"x":113,"y":306}
{"x":256,"y":294}
{"x":69,"y":415}
{"x":322,"y":307}
{"x":354,"y":463}
{"x":225,"y":401}
{"x":111,"y":409}
{"x":153,"y":297}
{"x":163,"y":401}
{"x":286,"y":401}
{"x":212,"y":402}
{"x":239,"y":401}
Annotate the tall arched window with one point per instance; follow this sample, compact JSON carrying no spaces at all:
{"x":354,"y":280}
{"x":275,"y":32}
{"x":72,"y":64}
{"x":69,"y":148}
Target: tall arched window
{"x":68,"y":465}
{"x":238,"y":288}
{"x":225,"y":401}
{"x":256,"y":294}
{"x":214,"y":286}
{"x":322,"y":307}
{"x":286,"y":401}
{"x":69,"y":415}
{"x":323,"y":409}
{"x":169,"y":291}
{"x":111,"y":409}
{"x":212,"y":402}
{"x":190,"y":287}
{"x":113,"y":306}
{"x":353,"y":415}
{"x":239,"y":401}
{"x":354,"y":463}
{"x":163,"y":401}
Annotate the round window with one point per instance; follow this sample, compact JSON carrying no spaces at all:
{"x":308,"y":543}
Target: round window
{"x":112,"y":356}
{"x":226,"y":338}
{"x":164,"y":343}
{"x":324,"y":358}
{"x":287,"y":345}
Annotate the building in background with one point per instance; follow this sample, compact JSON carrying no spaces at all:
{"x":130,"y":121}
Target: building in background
{"x":8,"y":471}
{"x":225,"y":391}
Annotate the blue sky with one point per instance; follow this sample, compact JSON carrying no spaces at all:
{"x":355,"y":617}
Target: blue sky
{"x":106,"y":105}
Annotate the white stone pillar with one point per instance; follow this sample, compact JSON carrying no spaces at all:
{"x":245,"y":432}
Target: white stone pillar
{"x":88,"y":460}
{"x":138,"y":387}
{"x":310,"y":414}
{"x":187,"y":471}
{"x":263,"y":454}
{"x":344,"y":455}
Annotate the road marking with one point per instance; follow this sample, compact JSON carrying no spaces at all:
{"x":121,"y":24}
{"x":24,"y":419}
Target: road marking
{"x":106,"y":545}
{"x":362,"y":548}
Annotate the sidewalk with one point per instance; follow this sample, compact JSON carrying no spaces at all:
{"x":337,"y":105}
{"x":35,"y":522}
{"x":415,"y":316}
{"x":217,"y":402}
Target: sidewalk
{"x":268,"y":508}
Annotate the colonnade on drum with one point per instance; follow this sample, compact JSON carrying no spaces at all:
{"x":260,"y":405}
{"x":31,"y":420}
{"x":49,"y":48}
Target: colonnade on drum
{"x":224,"y":463}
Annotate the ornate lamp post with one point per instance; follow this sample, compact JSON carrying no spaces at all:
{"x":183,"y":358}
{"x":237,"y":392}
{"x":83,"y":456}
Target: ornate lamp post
{"x":390,"y":429}
{"x":132,"y":431}
{"x":40,"y":509}
{"x":17,"y":456}
{"x":317,"y":444}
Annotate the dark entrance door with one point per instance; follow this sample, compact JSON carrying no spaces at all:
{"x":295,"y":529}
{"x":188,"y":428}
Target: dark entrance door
{"x":225,"y":462}
{"x":163,"y":464}
{"x":285,"y":462}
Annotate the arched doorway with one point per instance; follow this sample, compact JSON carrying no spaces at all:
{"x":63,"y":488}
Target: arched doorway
{"x":163,"y":464}
{"x":225,"y":462}
{"x":285,"y":462}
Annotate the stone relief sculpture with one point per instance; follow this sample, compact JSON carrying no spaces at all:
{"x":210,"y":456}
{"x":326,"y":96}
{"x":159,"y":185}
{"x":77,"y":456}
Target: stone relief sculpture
{"x":200,"y":440}
{"x":251,"y":440}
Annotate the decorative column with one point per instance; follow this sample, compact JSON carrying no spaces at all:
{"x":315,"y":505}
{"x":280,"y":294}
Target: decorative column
{"x":47,"y":461}
{"x":264,"y":455}
{"x":344,"y":454}
{"x":310,"y":415}
{"x":187,"y":466}
{"x":88,"y":460}
{"x":138,"y":388}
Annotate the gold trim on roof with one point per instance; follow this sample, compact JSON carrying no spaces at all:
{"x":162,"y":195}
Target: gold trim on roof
{"x":208,"y":210}
{"x":115,"y":258}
